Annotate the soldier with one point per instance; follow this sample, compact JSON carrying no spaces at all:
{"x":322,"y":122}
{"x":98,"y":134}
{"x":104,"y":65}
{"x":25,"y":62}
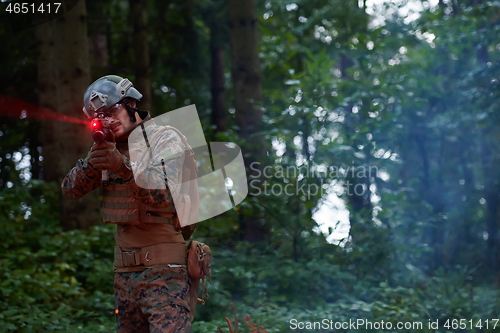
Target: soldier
{"x":151,"y":282}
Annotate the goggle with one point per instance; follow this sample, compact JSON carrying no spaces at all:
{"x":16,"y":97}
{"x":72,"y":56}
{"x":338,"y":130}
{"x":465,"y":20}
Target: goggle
{"x":113,"y":111}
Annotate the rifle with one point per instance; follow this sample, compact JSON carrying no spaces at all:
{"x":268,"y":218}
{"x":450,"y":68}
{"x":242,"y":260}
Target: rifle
{"x":101,"y":133}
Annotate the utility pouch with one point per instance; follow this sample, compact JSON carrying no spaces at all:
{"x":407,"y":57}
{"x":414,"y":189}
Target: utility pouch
{"x":199,"y":258}
{"x":198,"y":267}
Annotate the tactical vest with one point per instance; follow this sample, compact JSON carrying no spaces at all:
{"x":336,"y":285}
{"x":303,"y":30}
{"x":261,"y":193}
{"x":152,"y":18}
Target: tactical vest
{"x":120,"y":206}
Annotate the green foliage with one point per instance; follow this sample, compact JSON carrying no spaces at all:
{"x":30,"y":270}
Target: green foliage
{"x":51,"y":280}
{"x":274,"y":293}
{"x":58,"y":281}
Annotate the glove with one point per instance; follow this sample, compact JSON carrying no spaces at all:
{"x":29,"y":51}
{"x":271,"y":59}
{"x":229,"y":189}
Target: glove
{"x":105,"y":156}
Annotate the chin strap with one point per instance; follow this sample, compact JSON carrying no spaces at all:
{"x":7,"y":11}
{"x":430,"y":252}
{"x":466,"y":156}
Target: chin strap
{"x":131,"y":110}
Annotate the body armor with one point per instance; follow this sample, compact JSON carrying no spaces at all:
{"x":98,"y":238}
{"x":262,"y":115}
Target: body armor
{"x":120,"y":206}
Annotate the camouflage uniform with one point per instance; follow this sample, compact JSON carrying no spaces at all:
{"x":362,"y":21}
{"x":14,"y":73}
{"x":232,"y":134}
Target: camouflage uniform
{"x":153,"y":300}
{"x":148,"y":299}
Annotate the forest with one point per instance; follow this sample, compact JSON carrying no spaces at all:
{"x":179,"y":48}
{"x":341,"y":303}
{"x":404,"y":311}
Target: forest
{"x":370,"y":132}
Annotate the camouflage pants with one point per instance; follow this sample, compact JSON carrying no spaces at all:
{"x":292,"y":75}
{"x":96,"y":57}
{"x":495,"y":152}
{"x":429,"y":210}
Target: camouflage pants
{"x":154,"y":300}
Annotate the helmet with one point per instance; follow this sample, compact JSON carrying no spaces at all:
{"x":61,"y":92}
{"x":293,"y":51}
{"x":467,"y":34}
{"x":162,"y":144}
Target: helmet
{"x":106,"y":92}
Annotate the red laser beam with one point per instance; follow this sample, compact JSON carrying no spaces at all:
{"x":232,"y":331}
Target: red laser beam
{"x":13,"y":107}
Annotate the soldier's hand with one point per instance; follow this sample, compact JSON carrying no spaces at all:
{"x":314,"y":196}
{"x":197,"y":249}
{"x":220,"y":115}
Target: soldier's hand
{"x":105,"y":156}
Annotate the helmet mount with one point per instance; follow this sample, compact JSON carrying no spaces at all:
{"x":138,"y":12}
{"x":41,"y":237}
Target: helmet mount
{"x":97,"y":100}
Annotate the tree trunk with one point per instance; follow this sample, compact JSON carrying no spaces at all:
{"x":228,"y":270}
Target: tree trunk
{"x":63,"y":76}
{"x":247,"y":88}
{"x":358,"y":189}
{"x":492,"y":218}
{"x":215,"y":17}
{"x":490,"y":193}
{"x":246,"y":70}
{"x":490,"y":166}
{"x":140,"y":47}
{"x":98,"y":40}
{"x":218,"y":89}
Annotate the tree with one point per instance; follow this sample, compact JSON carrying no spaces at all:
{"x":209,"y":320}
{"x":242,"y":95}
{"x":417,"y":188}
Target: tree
{"x":216,"y":17}
{"x":140,"y":46}
{"x":63,"y":76}
{"x":247,"y":92}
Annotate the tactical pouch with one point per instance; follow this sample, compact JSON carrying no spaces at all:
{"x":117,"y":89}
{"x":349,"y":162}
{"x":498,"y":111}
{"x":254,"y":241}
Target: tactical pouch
{"x":119,"y":206}
{"x":198,"y":267}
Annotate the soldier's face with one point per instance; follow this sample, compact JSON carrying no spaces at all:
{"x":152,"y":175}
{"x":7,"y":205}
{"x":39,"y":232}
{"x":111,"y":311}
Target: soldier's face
{"x":119,"y":120}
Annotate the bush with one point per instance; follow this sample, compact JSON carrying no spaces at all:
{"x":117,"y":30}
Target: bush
{"x":53,"y":280}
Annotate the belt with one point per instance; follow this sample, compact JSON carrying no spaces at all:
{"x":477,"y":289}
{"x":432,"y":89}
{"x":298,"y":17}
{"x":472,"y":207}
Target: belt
{"x":158,"y":254}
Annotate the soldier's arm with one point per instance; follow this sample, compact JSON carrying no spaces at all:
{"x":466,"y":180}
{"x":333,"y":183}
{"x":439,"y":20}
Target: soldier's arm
{"x":81,"y":180}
